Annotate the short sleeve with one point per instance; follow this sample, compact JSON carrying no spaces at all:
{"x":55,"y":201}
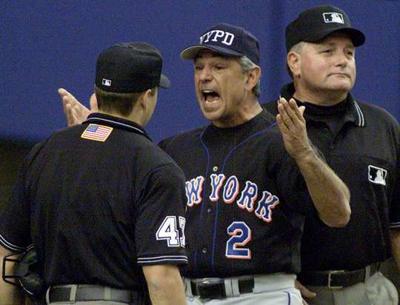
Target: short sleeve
{"x":160,"y":224}
{"x":15,"y":216}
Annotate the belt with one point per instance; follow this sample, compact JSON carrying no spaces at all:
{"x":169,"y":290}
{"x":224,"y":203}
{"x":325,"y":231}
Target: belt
{"x":337,"y":279}
{"x":77,"y":293}
{"x":219,"y":288}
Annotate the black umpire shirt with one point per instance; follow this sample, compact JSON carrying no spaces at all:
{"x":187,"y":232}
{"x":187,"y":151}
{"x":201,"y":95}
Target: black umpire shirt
{"x":361,"y":144}
{"x":98,"y":201}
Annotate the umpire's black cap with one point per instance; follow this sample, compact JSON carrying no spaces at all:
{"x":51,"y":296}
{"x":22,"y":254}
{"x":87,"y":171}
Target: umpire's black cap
{"x":316,"y":23}
{"x":130,"y":67}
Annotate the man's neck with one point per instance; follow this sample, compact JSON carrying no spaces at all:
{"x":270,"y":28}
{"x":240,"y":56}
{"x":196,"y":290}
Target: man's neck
{"x":322,"y":98}
{"x":133,"y":117}
{"x":247,"y":112}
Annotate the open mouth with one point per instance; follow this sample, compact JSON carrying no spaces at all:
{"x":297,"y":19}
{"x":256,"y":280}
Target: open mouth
{"x":209,"y":96}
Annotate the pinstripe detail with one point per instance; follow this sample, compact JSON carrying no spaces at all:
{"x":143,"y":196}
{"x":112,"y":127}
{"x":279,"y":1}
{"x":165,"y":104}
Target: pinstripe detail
{"x":10,"y":246}
{"x":289,"y":298}
{"x":360,"y":115}
{"x":164,"y":258}
{"x":202,"y":196}
{"x":214,"y":238}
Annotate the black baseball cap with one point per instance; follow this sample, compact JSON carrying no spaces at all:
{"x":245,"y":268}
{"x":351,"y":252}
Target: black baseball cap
{"x":226,"y":39}
{"x":130,"y":67}
{"x":316,"y":23}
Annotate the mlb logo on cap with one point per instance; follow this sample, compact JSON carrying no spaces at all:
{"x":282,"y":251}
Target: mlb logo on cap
{"x":106,"y":82}
{"x":317,"y":23}
{"x":333,"y":17}
{"x":130,"y":67}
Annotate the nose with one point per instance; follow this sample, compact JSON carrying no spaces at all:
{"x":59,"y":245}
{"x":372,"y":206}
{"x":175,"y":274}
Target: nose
{"x":342,"y":59}
{"x":204,"y":74}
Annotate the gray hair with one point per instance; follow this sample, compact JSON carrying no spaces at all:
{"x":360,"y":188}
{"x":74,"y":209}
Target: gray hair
{"x":248,"y":65}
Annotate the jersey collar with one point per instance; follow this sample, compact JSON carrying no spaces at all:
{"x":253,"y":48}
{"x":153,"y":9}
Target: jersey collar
{"x":353,"y":112}
{"x":112,"y":121}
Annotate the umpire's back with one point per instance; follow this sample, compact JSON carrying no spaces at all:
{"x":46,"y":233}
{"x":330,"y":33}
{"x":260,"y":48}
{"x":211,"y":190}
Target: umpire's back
{"x":102,"y":204}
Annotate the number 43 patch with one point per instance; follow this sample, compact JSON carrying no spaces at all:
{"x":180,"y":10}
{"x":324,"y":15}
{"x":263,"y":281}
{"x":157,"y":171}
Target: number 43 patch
{"x":172,"y":230}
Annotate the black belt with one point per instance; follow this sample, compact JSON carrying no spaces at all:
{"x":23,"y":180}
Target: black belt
{"x":91,"y":293}
{"x":336,"y":279}
{"x":215,"y":288}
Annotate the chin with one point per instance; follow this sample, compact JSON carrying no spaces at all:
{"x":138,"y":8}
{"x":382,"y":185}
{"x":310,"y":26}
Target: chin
{"x":210,"y":116}
{"x":340,"y":86}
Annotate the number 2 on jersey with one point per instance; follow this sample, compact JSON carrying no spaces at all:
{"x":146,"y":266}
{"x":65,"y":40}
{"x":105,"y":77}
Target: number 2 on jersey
{"x":240,"y":235}
{"x":173,"y":231}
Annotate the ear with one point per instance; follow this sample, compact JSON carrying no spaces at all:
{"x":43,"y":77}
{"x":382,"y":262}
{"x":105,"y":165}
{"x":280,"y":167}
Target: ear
{"x":144,"y":98}
{"x":253,"y":76}
{"x":293,"y":61}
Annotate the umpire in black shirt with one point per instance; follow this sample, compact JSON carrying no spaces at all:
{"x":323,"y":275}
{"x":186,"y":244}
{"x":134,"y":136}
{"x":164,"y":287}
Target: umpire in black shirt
{"x":361,"y":143}
{"x":103,"y":205}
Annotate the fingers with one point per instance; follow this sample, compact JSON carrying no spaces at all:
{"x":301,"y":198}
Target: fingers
{"x":62,"y":92}
{"x":68,"y":112}
{"x":75,"y":112}
{"x":72,"y":112}
{"x":93,"y":103}
{"x":291,"y":114}
{"x":281,"y":124}
{"x":67,"y":99}
{"x":302,"y":109}
{"x":305,"y":292}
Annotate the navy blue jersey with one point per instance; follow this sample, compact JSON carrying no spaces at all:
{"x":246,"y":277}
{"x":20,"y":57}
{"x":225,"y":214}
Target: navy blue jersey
{"x":245,"y":199}
{"x":98,"y":201}
{"x":361,"y":143}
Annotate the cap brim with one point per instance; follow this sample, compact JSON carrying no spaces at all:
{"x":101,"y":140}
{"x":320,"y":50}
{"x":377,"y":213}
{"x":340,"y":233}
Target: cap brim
{"x":164,"y":82}
{"x":356,"y":36}
{"x":191,"y":52}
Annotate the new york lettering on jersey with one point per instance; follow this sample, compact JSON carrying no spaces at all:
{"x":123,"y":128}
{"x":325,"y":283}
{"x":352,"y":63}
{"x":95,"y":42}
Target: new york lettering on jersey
{"x":230,"y":191}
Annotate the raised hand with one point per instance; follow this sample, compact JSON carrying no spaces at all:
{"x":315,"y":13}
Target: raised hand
{"x":292,"y":125}
{"x":75,"y":112}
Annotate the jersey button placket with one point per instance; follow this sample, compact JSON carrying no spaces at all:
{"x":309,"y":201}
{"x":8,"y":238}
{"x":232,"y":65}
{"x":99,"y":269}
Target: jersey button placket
{"x":214,"y":169}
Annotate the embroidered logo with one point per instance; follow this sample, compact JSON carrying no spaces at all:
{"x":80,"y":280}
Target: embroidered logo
{"x":377,"y":175}
{"x":333,"y":18}
{"x":96,"y":132}
{"x":106,"y":82}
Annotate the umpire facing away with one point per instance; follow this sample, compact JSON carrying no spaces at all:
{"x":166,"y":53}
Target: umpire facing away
{"x":103,"y":205}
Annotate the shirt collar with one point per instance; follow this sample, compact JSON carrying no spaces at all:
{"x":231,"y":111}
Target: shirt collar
{"x":353,"y":112}
{"x":112,"y":121}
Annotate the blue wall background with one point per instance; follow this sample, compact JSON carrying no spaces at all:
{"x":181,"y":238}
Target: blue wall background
{"x":45,"y":45}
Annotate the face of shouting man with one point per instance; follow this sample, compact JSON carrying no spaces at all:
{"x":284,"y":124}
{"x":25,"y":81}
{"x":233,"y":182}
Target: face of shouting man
{"x":223,"y":88}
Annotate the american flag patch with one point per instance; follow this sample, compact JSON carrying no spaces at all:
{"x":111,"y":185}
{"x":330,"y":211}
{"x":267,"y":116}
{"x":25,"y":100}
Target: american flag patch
{"x":96,"y":132}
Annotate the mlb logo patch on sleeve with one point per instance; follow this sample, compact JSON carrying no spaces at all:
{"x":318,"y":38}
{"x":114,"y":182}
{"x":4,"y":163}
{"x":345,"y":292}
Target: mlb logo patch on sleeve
{"x":377,"y":175}
{"x":97,"y":132}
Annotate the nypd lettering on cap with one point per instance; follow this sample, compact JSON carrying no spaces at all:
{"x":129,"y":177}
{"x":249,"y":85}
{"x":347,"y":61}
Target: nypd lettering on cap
{"x":218,"y":36}
{"x":106,"y":82}
{"x":333,"y":17}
